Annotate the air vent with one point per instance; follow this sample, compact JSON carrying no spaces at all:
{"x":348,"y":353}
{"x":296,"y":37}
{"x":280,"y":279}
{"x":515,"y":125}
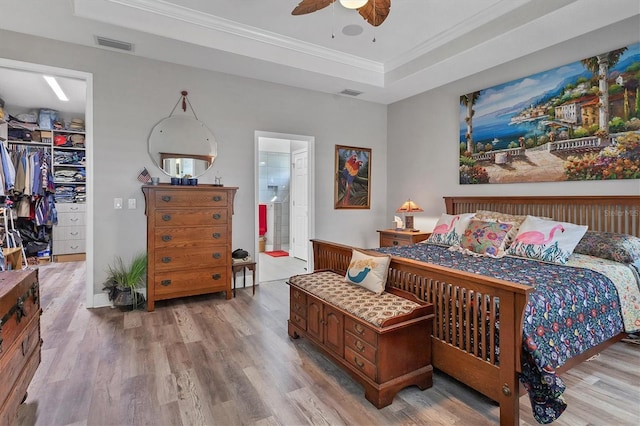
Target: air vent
{"x":114,"y":44}
{"x":350,"y":92}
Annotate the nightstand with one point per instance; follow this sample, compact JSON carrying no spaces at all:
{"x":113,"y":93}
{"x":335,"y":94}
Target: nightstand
{"x":393,"y":237}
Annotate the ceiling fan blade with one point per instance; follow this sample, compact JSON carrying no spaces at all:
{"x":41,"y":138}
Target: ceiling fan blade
{"x":382,"y":8}
{"x":308,"y":6}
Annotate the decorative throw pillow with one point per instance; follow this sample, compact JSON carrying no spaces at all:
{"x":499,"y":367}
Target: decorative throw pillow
{"x":449,"y":229}
{"x":485,"y":237}
{"x":621,"y":248}
{"x":516,"y":220}
{"x":546,"y":240}
{"x":368,"y":270}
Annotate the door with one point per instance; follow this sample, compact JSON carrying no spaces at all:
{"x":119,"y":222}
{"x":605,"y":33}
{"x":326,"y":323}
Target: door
{"x":334,"y":330}
{"x":315,"y":320}
{"x":299,"y":205}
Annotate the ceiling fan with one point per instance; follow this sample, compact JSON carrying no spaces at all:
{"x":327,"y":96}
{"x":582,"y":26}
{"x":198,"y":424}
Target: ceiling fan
{"x":373,"y":11}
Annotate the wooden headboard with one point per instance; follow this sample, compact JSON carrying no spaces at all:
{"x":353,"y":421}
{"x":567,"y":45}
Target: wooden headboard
{"x":606,"y":213}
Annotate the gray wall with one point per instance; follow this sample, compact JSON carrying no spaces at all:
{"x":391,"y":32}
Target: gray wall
{"x":424,"y":132}
{"x":132,"y":94}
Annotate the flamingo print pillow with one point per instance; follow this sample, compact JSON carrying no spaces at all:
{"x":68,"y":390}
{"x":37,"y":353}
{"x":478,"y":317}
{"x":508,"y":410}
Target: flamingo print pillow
{"x":450,"y":229}
{"x":546,"y":240}
{"x":368,"y":271}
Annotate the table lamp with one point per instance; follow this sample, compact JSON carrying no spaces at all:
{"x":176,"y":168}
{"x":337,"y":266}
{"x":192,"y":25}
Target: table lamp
{"x":407,"y":208}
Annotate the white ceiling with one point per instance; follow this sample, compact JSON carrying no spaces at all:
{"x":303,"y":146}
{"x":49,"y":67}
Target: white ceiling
{"x":423,"y":44}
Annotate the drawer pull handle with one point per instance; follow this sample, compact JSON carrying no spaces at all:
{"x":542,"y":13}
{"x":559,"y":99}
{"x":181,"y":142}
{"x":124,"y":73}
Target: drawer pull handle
{"x":74,"y":219}
{"x":166,"y":217}
{"x":217,"y":216}
{"x":216,"y":235}
{"x":297,"y":319}
{"x":358,"y":328}
{"x":165,"y":282}
{"x":74,"y":233}
{"x":73,"y":208}
{"x":296,"y":307}
{"x":166,"y":259}
{"x":359,"y":346}
{"x":217,"y":198}
{"x":34,"y":293}
{"x":216,"y":255}
{"x":359,"y":363}
{"x":25,"y":345}
{"x":166,"y":238}
{"x":216,"y":276}
{"x":395,"y":243}
{"x":166,"y":198}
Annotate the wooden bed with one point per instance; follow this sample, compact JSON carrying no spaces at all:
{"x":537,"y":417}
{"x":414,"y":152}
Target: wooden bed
{"x":449,"y":290}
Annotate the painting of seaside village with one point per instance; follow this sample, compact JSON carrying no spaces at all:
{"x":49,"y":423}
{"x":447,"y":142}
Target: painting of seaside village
{"x":577,"y":122}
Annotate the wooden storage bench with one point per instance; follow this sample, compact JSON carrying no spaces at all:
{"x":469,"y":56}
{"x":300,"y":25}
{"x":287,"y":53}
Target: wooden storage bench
{"x":384,"y":341}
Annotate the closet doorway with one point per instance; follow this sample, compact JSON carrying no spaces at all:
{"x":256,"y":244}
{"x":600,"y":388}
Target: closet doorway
{"x":284,"y":204}
{"x":25,"y":92}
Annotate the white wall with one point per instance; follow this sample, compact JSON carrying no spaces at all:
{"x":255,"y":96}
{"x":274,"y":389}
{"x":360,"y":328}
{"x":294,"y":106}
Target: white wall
{"x":132,"y":94}
{"x":424,"y":132}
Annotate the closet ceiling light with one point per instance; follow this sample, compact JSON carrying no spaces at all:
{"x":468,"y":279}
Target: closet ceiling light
{"x":53,"y":83}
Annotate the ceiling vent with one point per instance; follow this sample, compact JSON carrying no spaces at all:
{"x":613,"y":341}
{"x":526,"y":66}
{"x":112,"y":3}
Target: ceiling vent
{"x":350,"y":92}
{"x":114,"y":44}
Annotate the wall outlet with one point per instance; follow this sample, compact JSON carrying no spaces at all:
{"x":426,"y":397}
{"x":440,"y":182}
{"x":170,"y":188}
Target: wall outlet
{"x":117,"y":203}
{"x":131,"y":203}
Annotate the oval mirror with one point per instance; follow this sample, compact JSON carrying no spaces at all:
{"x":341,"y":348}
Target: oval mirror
{"x":182,"y":146}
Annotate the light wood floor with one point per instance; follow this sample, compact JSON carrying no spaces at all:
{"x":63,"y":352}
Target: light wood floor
{"x":205,"y":360}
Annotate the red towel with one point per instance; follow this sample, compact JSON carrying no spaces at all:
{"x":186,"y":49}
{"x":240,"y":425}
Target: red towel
{"x":262,"y":219}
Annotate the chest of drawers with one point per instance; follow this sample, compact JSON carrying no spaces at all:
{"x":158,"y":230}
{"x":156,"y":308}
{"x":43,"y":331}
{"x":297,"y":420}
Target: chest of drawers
{"x":69,"y":232}
{"x":188,"y":240}
{"x":19,"y":338}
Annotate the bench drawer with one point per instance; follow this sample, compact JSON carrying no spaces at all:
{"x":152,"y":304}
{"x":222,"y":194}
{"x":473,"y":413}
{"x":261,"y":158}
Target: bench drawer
{"x":361,"y":347}
{"x":360,"y":363}
{"x":361,"y":331}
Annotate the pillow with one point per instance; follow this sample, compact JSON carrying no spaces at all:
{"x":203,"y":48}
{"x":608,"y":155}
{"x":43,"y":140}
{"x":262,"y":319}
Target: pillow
{"x":621,"y":248}
{"x":485,"y":237}
{"x":546,"y":240}
{"x":368,"y":270}
{"x":516,"y":220}
{"x":449,"y":229}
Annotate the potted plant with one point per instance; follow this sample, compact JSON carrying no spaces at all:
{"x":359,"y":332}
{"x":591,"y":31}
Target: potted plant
{"x":123,"y":280}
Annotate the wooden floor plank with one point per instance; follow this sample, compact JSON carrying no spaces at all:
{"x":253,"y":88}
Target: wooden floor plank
{"x":205,"y":360}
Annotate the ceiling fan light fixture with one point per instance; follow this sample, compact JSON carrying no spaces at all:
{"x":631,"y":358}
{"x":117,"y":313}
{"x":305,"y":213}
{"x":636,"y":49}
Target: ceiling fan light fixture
{"x":353,"y":4}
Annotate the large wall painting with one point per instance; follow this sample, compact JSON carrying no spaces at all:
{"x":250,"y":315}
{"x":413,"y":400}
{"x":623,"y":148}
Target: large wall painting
{"x":352,"y":188}
{"x":577,"y":122}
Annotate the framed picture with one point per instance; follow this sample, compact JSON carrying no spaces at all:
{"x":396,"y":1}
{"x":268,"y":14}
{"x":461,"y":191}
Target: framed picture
{"x":352,"y":178}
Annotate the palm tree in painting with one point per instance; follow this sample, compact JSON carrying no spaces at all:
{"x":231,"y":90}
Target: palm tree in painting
{"x":469,"y":101}
{"x":599,"y":65}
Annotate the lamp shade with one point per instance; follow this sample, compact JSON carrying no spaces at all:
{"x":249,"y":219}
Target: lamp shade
{"x":409,"y":207}
{"x":353,"y":4}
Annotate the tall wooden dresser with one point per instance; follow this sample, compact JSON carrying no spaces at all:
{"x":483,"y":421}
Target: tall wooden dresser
{"x":188,"y":240}
{"x":20,"y":342}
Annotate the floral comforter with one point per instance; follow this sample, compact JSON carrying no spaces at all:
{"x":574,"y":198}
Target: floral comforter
{"x":573,"y":308}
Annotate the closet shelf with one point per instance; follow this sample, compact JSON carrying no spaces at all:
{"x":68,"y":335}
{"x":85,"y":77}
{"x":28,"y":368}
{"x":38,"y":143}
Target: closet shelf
{"x":29,"y":143}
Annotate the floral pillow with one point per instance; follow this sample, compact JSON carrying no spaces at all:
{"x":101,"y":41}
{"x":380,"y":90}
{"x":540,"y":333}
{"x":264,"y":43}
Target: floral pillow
{"x":485,"y":238}
{"x":516,"y":220}
{"x":449,"y":229}
{"x":621,"y":248}
{"x":546,"y":240}
{"x":368,"y":271}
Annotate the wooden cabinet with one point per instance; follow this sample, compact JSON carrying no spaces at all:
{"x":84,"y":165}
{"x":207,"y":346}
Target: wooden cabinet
{"x":188,"y":240}
{"x":392,"y":237}
{"x":383,"y":359}
{"x":20,"y":343}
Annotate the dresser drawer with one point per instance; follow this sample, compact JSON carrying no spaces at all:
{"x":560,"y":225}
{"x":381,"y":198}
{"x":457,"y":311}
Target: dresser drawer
{"x":167,"y":259}
{"x":194,"y":281}
{"x":298,"y":302}
{"x":16,"y":357}
{"x":193,"y":217}
{"x":19,"y":304}
{"x":359,"y":346}
{"x":69,"y":246}
{"x":68,"y":233}
{"x":71,"y":219}
{"x":361,"y":332}
{"x":389,"y":241}
{"x":360,"y":363}
{"x":188,"y":237}
{"x":186,"y":198}
{"x":71,"y":207}
{"x":299,"y":320}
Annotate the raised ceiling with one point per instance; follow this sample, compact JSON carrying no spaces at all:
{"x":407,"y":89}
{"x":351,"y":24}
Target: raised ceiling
{"x":423,"y":44}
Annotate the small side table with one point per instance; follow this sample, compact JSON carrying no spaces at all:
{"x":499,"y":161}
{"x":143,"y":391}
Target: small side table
{"x":400,"y":237}
{"x":243,"y":266}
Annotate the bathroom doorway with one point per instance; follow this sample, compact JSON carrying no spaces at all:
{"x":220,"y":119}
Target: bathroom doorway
{"x":284,"y":212}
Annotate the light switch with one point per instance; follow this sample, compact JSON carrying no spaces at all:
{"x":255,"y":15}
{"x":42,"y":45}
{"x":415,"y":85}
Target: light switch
{"x":132,"y":203}
{"x":117,"y":203}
